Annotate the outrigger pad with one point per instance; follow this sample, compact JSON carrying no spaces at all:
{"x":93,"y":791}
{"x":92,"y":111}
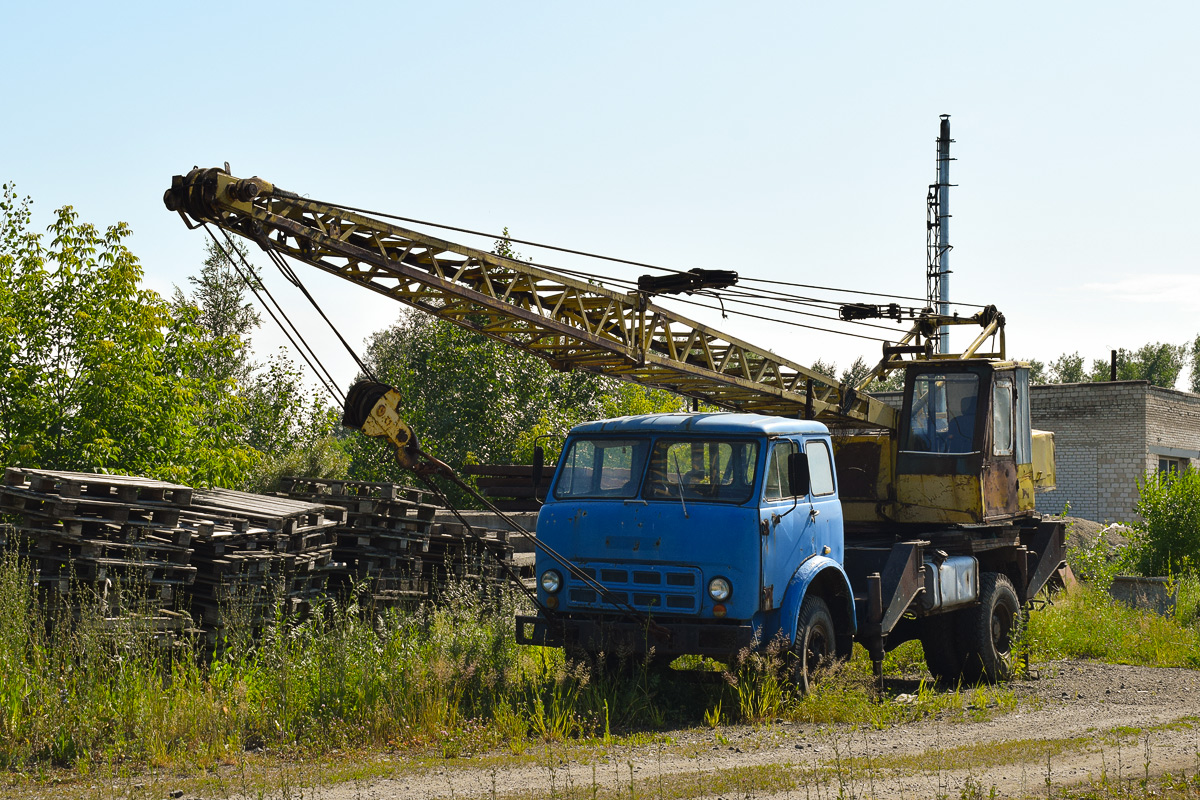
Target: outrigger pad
{"x":360,"y":401}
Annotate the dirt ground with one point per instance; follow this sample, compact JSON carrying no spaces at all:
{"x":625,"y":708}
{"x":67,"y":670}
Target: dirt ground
{"x":1084,"y":533}
{"x":1078,"y":722}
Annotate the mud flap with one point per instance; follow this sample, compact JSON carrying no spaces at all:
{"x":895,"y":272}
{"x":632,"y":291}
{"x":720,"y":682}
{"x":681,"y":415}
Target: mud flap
{"x":1047,"y":553}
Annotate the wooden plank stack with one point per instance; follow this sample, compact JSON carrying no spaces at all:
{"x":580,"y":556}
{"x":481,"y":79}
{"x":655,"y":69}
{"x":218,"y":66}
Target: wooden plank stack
{"x":223,"y":558}
{"x":453,"y":555}
{"x":510,"y":486}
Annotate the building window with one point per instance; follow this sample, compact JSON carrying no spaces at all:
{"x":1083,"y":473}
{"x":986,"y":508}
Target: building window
{"x":1170,"y":466}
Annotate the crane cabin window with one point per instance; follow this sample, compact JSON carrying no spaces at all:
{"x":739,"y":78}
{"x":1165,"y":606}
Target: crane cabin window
{"x":720,"y":471}
{"x":942,"y":416}
{"x":1002,"y":416}
{"x":602,"y":468}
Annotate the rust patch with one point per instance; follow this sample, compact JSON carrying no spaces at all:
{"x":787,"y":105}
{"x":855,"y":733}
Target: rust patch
{"x":1000,"y":488}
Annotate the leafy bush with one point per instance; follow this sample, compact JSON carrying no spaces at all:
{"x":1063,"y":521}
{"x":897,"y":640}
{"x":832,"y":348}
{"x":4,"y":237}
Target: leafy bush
{"x":1169,"y":539}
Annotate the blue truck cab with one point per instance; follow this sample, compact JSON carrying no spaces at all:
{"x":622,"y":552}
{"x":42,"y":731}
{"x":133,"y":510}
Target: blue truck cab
{"x":681,"y":534}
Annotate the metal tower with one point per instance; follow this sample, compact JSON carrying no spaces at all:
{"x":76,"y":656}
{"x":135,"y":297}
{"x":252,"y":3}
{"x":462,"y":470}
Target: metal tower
{"x":937,"y":236}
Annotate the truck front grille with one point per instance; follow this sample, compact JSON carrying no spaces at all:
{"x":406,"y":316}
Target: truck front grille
{"x":646,"y":588}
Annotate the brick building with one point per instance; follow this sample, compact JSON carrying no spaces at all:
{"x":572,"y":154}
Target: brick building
{"x":1107,"y":436}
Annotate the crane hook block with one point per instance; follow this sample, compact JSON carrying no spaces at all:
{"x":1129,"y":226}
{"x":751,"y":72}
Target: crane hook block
{"x":374,"y":409}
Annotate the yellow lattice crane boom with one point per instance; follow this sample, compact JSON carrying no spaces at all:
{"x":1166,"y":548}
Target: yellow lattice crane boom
{"x":569,"y":322}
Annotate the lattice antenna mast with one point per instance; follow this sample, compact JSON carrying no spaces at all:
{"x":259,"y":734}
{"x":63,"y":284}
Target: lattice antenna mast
{"x":937,"y":236}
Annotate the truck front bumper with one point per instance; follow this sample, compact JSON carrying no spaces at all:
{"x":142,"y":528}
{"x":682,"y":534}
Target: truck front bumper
{"x":721,"y":640}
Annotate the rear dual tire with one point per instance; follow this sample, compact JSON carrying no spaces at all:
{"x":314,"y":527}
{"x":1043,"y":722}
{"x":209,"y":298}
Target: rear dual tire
{"x":989,"y":633}
{"x":975,"y":644}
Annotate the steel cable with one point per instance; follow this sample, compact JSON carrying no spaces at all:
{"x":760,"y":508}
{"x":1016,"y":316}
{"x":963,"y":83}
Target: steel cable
{"x":255,"y":284}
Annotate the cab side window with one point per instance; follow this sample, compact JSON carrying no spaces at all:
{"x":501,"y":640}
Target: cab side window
{"x":820,"y":468}
{"x":777,"y":484}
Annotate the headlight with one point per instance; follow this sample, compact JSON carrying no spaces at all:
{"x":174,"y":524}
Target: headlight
{"x":551,"y":581}
{"x":720,"y":589}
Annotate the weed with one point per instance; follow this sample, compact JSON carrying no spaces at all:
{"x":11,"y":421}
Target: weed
{"x":712,"y":716}
{"x":757,"y":683}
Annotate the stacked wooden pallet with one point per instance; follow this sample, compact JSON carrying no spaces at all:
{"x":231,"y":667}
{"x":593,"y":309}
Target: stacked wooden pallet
{"x":226,"y":557}
{"x":257,"y":551}
{"x":123,"y":536}
{"x":392,"y":548}
{"x":453,"y":555}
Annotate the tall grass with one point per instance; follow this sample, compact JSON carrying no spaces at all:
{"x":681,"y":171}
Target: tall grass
{"x":1085,"y":622}
{"x":77,"y":690}
{"x":86,"y":687}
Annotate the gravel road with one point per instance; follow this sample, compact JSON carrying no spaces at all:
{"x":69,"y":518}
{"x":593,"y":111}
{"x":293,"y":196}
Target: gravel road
{"x":1078,"y":721}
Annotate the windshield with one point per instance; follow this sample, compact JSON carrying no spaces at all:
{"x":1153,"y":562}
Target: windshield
{"x":602,"y":468}
{"x":720,"y":471}
{"x":942,"y":419}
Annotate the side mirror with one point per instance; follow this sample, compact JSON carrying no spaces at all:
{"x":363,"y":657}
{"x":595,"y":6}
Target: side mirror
{"x":539,"y":466}
{"x":798,"y":477}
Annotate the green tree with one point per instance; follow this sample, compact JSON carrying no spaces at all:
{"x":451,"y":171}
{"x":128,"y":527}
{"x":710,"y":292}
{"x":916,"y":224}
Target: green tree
{"x":892,"y":382}
{"x":475,"y":400}
{"x":219,"y":293}
{"x":98,"y":374}
{"x":1158,"y":363}
{"x":1194,"y":361}
{"x":1037,"y":371}
{"x":825,"y":367}
{"x":1067,"y":368}
{"x":854,"y":374}
{"x":290,"y":426}
{"x":286,"y":422}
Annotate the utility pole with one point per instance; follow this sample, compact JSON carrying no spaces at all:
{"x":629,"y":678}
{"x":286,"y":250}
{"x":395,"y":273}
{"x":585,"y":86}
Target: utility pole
{"x":937,"y":236}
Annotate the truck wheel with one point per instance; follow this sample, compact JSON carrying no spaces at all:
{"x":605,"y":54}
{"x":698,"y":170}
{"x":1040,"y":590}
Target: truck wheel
{"x":988,"y":630}
{"x":943,"y":650}
{"x":815,"y":644}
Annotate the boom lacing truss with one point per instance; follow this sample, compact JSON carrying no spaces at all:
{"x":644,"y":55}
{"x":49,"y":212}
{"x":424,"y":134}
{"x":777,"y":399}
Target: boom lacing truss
{"x":569,"y":322}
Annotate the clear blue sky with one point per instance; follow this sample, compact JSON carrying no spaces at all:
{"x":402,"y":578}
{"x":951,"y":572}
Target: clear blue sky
{"x":791,"y":141}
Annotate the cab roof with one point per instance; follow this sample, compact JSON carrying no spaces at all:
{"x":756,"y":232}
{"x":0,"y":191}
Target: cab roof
{"x":720,"y":423}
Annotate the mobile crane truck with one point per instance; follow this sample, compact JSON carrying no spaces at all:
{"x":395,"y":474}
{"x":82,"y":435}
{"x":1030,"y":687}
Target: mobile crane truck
{"x":814,"y":514}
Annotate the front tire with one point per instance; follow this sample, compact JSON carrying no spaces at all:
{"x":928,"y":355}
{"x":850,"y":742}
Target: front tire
{"x":815,"y":645}
{"x":989,"y":629}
